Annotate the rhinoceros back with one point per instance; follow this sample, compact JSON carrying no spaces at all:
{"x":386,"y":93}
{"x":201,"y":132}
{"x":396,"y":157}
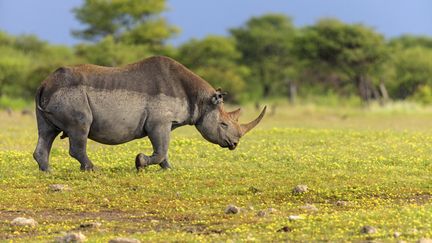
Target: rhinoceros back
{"x":120,"y":100}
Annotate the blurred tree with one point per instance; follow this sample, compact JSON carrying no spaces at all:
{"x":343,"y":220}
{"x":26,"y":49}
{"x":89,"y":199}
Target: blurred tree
{"x":341,"y":52}
{"x":412,"y":73}
{"x":5,"y":39}
{"x":14,"y":68}
{"x":407,"y":41}
{"x":109,"y":53}
{"x":26,"y":61}
{"x":215,"y":59}
{"x":128,"y":21}
{"x":265,"y":43}
{"x":46,"y":61}
{"x":30,"y":44}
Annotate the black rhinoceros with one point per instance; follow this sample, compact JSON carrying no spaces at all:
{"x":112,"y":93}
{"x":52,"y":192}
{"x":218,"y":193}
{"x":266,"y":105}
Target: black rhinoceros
{"x":114,"y":105}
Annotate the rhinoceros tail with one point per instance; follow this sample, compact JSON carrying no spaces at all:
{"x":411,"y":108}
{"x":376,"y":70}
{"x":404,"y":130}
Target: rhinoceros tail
{"x":42,"y":111}
{"x":38,"y":98}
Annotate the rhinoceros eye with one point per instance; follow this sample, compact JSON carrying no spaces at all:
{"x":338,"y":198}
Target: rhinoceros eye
{"x":224,"y":125}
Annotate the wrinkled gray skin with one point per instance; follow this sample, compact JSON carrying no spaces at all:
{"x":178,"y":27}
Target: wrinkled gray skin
{"x":114,"y":105}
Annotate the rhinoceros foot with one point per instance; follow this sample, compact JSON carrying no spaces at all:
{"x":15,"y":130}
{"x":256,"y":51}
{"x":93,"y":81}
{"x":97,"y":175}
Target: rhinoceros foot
{"x":141,"y":161}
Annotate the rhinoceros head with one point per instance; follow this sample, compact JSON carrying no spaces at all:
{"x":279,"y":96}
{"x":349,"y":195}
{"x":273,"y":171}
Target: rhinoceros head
{"x":221,"y":127}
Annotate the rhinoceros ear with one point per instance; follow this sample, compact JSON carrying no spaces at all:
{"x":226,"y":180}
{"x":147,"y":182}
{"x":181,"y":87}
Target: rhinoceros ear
{"x":217,"y":98}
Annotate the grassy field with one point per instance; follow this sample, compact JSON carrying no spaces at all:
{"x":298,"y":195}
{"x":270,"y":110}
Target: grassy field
{"x":362,"y":167}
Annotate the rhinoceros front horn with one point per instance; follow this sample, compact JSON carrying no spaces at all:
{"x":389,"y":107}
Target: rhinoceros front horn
{"x":247,"y":127}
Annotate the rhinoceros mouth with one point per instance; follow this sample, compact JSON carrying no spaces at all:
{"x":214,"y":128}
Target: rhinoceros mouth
{"x":229,"y":145}
{"x":232,"y":147}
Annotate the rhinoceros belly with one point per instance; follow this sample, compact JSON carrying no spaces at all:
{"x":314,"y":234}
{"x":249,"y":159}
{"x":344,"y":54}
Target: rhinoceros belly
{"x":121,"y":116}
{"x":118,"y":117}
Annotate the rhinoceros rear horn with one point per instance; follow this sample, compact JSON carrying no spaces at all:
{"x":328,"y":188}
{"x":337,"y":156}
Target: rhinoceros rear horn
{"x":234,"y":115}
{"x":244,"y":128}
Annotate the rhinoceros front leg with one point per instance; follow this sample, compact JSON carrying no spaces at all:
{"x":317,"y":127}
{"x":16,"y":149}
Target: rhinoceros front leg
{"x":159,"y":136}
{"x":165,"y":165}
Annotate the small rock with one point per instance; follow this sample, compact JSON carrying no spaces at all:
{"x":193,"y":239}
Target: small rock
{"x":294,"y":217}
{"x":424,"y":240}
{"x":59,"y":188}
{"x":9,"y":111}
{"x":271,"y":210}
{"x":93,"y":225}
{"x":26,"y":112}
{"x":192,"y":230}
{"x":368,"y":230}
{"x":72,"y":237}
{"x":20,"y":221}
{"x":124,"y":240}
{"x":396,"y":234}
{"x":154,"y":221}
{"x":251,"y":238}
{"x":341,"y":203}
{"x":284,"y":229}
{"x":231,"y":209}
{"x":299,"y":189}
{"x":262,"y":213}
{"x":309,"y":207}
{"x":254,"y":190}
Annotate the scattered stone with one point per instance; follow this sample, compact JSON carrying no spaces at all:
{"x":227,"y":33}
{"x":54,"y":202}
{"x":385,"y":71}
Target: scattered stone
{"x":424,"y":240}
{"x":93,"y":225}
{"x":20,"y":221}
{"x":231,"y":209}
{"x":124,"y":240}
{"x":396,"y":234}
{"x":254,"y":190}
{"x":368,"y":230}
{"x":71,"y":237}
{"x":300,"y":189}
{"x":309,"y":207}
{"x":284,"y":229}
{"x":262,"y":213}
{"x":9,"y":111}
{"x":271,"y":210}
{"x":294,"y":217}
{"x":341,"y":203}
{"x":59,"y":188}
{"x":26,"y":112}
{"x":251,"y":238}
{"x":192,"y":230}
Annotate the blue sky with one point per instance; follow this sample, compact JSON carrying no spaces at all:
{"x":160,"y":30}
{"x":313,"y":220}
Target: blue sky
{"x":52,"y":20}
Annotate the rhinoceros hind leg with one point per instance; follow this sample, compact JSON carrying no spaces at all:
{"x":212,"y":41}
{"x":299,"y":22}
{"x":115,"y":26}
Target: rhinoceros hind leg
{"x":78,"y":149}
{"x":47,"y":133}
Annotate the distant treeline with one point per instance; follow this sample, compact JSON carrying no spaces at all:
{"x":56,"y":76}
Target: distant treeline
{"x":264,"y":58}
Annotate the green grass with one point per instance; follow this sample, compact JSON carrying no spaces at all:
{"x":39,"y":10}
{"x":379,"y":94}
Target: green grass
{"x":13,"y":103}
{"x":378,"y":160}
